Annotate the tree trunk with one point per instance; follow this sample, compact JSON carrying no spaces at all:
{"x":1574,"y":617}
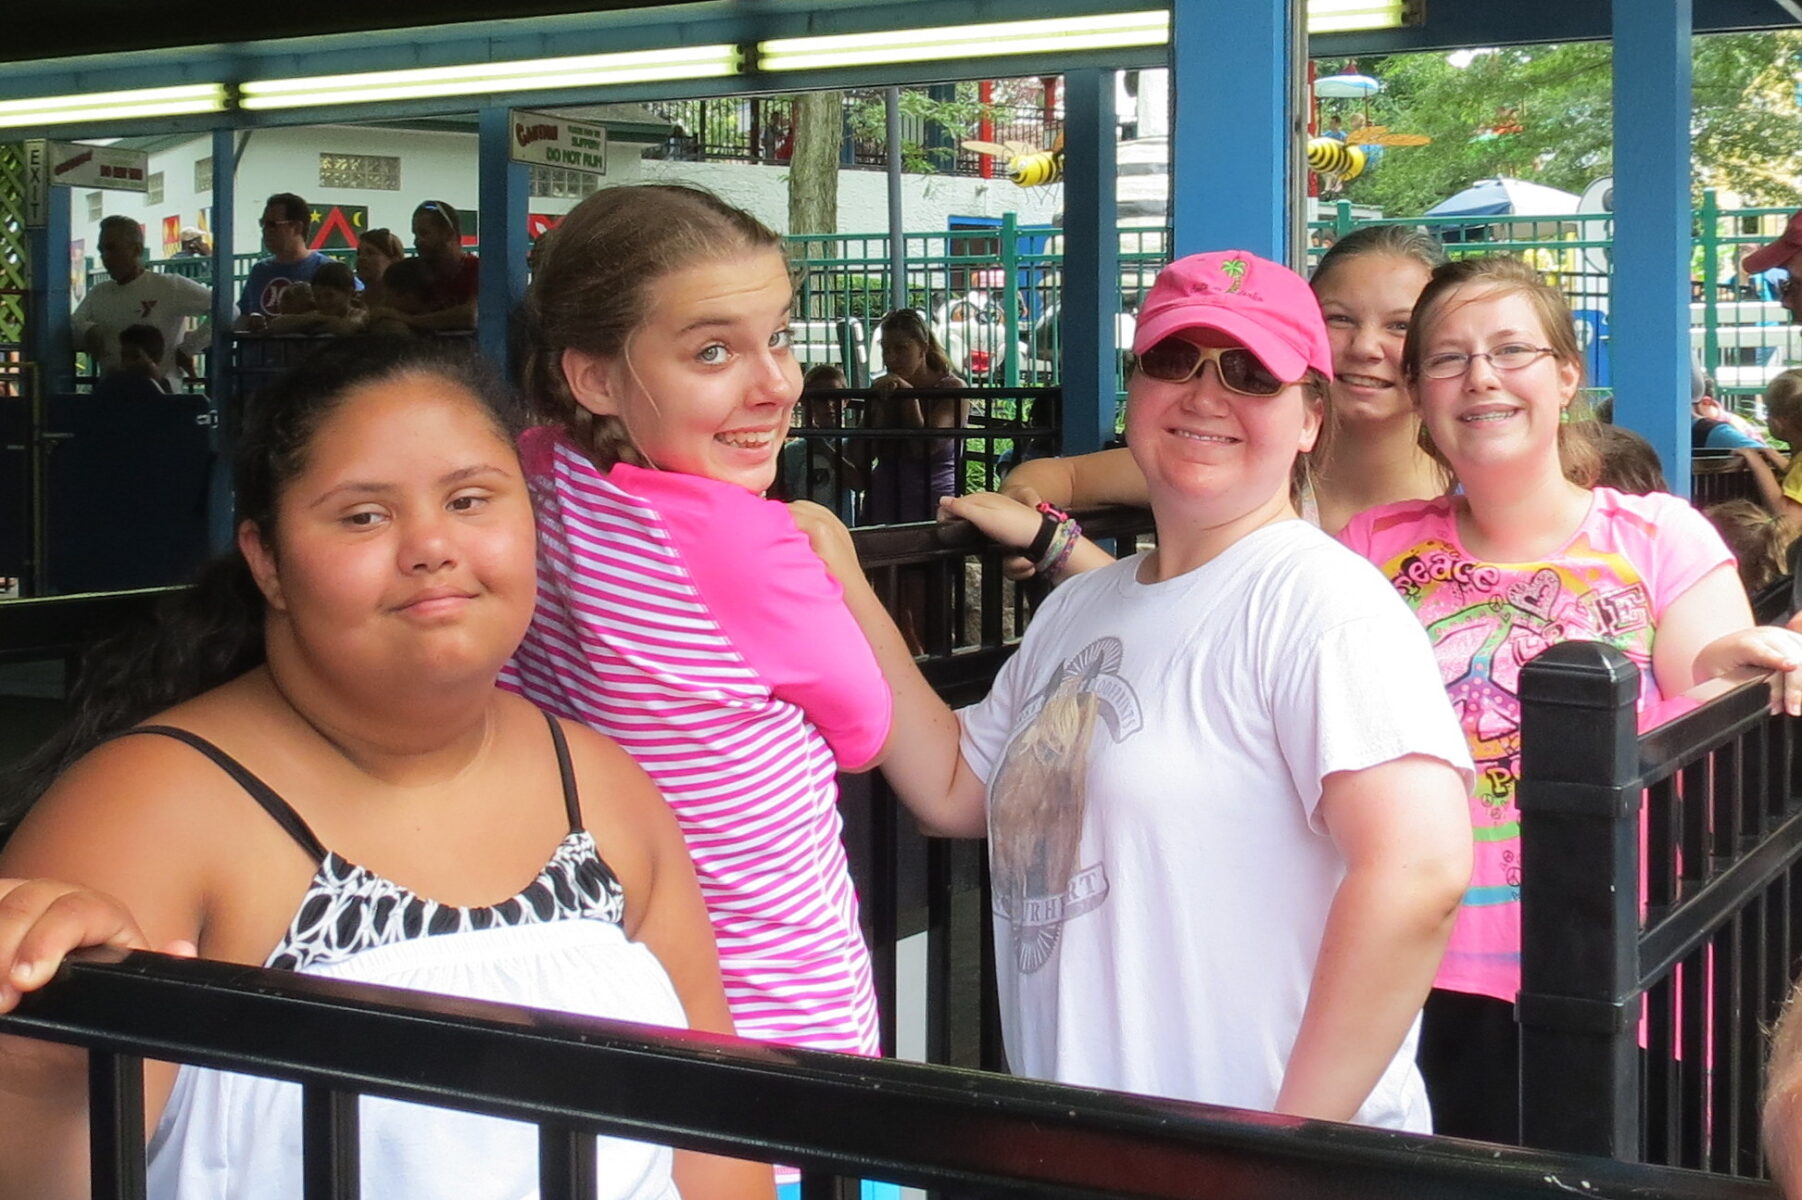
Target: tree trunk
{"x":813,"y":169}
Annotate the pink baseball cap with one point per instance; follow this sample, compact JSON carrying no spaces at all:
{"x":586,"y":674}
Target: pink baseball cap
{"x":1264,"y":306}
{"x":1778,"y":252}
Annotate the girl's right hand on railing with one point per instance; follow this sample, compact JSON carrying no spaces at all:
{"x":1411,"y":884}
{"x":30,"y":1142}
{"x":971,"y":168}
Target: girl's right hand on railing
{"x":42,"y":920}
{"x":1003,"y":520}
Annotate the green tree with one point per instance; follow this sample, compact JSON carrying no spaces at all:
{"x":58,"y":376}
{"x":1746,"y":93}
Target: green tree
{"x":1545,"y":113}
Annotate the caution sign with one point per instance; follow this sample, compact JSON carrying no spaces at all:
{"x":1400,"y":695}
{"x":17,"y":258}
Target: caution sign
{"x":544,"y":140}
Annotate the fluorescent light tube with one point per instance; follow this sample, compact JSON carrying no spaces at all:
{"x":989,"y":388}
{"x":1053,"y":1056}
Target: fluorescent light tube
{"x":684,"y":62}
{"x":966,"y":41}
{"x":105,"y":106}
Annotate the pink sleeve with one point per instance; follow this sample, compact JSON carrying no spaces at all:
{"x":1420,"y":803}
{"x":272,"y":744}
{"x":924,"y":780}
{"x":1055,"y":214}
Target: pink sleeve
{"x":1676,"y":542}
{"x":781,"y":609}
{"x":1355,"y":535}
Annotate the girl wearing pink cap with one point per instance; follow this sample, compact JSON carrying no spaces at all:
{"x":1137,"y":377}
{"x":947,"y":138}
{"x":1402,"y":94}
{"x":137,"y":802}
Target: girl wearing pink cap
{"x":1222,"y":788}
{"x":1528,"y":553}
{"x":1366,"y":286}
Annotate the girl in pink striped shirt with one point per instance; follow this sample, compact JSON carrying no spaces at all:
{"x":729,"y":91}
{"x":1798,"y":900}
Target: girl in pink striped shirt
{"x":682,"y":613}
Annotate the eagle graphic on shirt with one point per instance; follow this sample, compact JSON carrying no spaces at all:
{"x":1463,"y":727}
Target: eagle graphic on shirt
{"x":1038,"y":796}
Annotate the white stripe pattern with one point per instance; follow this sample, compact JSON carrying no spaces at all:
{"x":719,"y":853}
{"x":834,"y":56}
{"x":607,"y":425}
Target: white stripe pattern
{"x":623,"y":641}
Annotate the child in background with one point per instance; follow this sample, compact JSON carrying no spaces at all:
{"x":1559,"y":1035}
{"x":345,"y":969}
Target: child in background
{"x":1783,"y":412}
{"x":141,"y":353}
{"x":1629,"y":462}
{"x":1759,"y":539}
{"x":816,"y":469}
{"x":297,"y":299}
{"x":332,"y":289}
{"x":407,"y":287}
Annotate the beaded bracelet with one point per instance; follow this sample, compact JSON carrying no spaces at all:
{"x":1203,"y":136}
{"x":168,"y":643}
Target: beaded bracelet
{"x":1064,"y":534}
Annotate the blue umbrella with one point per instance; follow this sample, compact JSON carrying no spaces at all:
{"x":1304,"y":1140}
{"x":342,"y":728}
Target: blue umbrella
{"x":1505,"y":197}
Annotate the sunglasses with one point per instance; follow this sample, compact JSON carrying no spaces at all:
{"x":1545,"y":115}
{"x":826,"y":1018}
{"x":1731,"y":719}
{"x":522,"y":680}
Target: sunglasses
{"x":1177,"y":360}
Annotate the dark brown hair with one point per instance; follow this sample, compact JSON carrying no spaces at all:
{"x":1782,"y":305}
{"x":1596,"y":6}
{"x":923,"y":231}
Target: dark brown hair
{"x":910,"y":324}
{"x":592,"y":288}
{"x":386,"y":241}
{"x":293,"y":209}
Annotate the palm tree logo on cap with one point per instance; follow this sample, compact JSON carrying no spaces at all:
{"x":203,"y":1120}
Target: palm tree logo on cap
{"x":1234,"y":267}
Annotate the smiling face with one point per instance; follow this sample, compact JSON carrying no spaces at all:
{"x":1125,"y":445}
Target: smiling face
{"x":1485,"y":417}
{"x":1366,"y":301}
{"x":1204,"y":447}
{"x":402,"y":553}
{"x":708,"y":383}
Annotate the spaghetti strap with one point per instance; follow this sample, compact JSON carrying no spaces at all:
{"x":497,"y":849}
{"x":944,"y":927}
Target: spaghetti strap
{"x":279,"y":810}
{"x":572,"y":804}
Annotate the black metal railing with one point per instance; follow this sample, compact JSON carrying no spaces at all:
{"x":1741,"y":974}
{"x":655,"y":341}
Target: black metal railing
{"x":1661,"y":911}
{"x":835,"y":1116}
{"x":1717,"y":475}
{"x":837,"y":464}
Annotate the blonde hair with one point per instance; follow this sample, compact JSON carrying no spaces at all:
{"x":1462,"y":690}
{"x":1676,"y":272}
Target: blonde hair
{"x":592,"y":289}
{"x":1758,"y":537}
{"x":1783,"y":1097}
{"x":1579,"y":436}
{"x":1783,"y":397}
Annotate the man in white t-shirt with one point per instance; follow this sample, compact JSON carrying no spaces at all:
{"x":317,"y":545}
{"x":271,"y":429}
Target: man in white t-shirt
{"x":134,"y":296}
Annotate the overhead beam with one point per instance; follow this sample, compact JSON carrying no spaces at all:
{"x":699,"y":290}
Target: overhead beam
{"x":1461,"y":24}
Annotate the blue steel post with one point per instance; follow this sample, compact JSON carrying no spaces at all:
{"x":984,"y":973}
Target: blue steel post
{"x":502,"y":195}
{"x":222,"y":380}
{"x":47,"y":309}
{"x":1649,"y":317}
{"x":1091,"y":260}
{"x":1232,"y":125}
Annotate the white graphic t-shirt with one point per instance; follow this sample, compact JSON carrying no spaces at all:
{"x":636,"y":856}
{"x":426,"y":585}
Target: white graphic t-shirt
{"x":1154,"y":756}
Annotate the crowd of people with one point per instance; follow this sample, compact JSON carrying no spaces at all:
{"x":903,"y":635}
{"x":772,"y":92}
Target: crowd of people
{"x":556,"y":716}
{"x":149,"y":325}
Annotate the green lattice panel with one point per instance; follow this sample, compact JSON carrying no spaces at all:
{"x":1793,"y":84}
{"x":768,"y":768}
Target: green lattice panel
{"x":12,"y":243}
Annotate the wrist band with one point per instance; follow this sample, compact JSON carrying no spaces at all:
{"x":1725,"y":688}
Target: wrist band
{"x":1064,"y":536}
{"x":1041,"y":542}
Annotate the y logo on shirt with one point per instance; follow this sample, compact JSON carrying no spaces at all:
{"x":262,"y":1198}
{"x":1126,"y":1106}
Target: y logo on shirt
{"x":145,"y":307}
{"x":1038,"y":795}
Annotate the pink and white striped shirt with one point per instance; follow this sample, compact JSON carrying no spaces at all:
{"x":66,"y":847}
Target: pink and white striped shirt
{"x":690,"y":621}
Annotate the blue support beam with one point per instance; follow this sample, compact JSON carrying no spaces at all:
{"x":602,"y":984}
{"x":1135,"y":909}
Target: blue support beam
{"x":1649,"y":350}
{"x":220,"y":511}
{"x":47,"y":309}
{"x":1232,"y":125}
{"x":502,"y":194}
{"x":1091,"y":261}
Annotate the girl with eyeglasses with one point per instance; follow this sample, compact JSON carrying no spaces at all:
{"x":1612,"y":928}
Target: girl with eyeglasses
{"x":1528,"y":553}
{"x":1223,"y":791}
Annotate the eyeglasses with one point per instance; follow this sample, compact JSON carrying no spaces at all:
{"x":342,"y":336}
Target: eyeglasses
{"x":1177,"y":360}
{"x":1453,"y":364}
{"x":266,"y":223}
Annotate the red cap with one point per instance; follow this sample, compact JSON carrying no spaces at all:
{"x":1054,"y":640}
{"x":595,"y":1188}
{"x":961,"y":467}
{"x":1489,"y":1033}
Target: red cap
{"x":1264,"y":306}
{"x":1779,"y":251}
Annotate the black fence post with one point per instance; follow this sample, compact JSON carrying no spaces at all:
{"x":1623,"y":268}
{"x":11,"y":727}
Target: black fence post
{"x":1579,"y":799}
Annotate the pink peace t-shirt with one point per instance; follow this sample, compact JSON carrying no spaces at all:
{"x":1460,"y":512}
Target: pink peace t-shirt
{"x":1610,"y":583}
